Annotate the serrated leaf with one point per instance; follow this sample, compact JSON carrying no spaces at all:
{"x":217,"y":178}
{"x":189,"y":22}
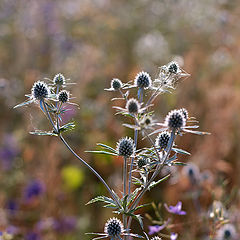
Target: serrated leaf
{"x":101,"y":199}
{"x":67,"y":127}
{"x":153,"y":184}
{"x":43,"y":133}
{"x":181,"y":151}
{"x":102,"y":152}
{"x":106,"y":147}
{"x":133,"y":195}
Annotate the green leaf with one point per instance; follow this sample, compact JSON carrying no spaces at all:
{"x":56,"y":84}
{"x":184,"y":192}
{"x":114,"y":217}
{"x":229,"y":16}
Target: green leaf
{"x":139,"y":219}
{"x":113,"y":206}
{"x":133,"y":195}
{"x":141,"y":206}
{"x":177,"y":150}
{"x":153,"y":184}
{"x":179,"y":163}
{"x":67,"y":127}
{"x":102,"y":152}
{"x":124,"y":202}
{"x":102,"y":199}
{"x":106,"y":147}
{"x":43,"y":133}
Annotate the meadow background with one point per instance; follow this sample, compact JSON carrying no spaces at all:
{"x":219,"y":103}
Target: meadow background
{"x":43,"y":188}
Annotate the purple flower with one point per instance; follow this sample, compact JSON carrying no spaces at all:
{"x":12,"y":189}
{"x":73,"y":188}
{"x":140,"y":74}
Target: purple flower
{"x":173,"y":236}
{"x":32,"y":236}
{"x":34,"y":189}
{"x":66,"y":224}
{"x":156,"y":228}
{"x":175,"y":209}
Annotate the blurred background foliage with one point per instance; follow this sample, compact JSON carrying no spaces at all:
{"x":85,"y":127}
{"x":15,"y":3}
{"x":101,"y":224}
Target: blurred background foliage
{"x":43,"y":188}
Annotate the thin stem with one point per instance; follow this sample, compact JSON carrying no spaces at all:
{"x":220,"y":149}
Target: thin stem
{"x":80,"y":159}
{"x":159,"y":168}
{"x":125,"y":188}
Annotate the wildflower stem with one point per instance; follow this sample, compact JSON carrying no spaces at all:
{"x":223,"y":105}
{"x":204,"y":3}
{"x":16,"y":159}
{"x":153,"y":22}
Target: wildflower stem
{"x":159,"y":168}
{"x":79,"y":158}
{"x":125,"y":188}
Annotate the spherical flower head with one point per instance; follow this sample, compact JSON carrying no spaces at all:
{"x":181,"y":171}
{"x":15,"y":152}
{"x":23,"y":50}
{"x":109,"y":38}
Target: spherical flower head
{"x":40,"y":90}
{"x":59,"y":79}
{"x":143,"y":80}
{"x":173,"y":67}
{"x":156,"y":238}
{"x":113,"y":227}
{"x":175,"y":120}
{"x":132,"y":106}
{"x":185,"y":113}
{"x":141,"y":162}
{"x":226,"y":232}
{"x":116,"y":84}
{"x":125,"y":147}
{"x":162,"y":140}
{"x":63,"y":96}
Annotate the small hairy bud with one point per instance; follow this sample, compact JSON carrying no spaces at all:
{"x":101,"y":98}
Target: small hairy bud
{"x":40,"y":90}
{"x":143,"y":80}
{"x":162,"y":140}
{"x":125,"y":147}
{"x":175,"y":119}
{"x":59,"y":79}
{"x":173,"y":67}
{"x":116,"y":84}
{"x":133,"y":106}
{"x":113,"y":227}
{"x":226,"y":232}
{"x":63,"y":96}
{"x":141,"y":162}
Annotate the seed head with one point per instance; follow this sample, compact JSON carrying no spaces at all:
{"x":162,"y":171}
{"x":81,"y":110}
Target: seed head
{"x":59,"y":79}
{"x":125,"y":147}
{"x":141,"y":162}
{"x":63,"y":96}
{"x":173,"y":67}
{"x":226,"y":232}
{"x":116,"y":84}
{"x":40,"y":90}
{"x":132,"y":106}
{"x":156,"y":238}
{"x":143,"y":80}
{"x":185,"y":113}
{"x":162,"y":140}
{"x":175,"y":119}
{"x":113,"y":227}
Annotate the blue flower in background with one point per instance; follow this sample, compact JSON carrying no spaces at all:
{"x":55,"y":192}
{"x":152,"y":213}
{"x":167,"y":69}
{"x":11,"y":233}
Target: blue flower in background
{"x":175,"y":209}
{"x":33,"y":189}
{"x":32,"y":236}
{"x":173,"y":236}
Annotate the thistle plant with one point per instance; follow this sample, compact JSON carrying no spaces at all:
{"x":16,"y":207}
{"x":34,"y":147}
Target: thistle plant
{"x":141,"y":166}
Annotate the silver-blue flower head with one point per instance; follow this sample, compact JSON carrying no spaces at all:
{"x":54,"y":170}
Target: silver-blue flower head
{"x":59,"y":79}
{"x":63,"y":96}
{"x":40,"y":90}
{"x":143,"y":80}
{"x":133,"y":106}
{"x":125,"y":147}
{"x":113,"y":227}
{"x":116,"y":84}
{"x":175,"y":120}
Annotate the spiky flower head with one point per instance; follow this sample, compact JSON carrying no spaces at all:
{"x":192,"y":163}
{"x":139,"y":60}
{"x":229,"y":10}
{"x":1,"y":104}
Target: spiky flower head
{"x":63,"y":96}
{"x":141,"y":162}
{"x":125,"y":147}
{"x":40,"y":90}
{"x":185,"y":113}
{"x":175,"y":120}
{"x":173,"y":67}
{"x":116,"y":84}
{"x":143,"y":80}
{"x":156,"y":238}
{"x":226,"y":232}
{"x":132,"y":106}
{"x":113,"y":227}
{"x":162,"y":140}
{"x":59,"y":79}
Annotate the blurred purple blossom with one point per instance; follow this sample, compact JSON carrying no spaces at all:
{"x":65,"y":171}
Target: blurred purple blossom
{"x":12,"y":206}
{"x":175,"y":209}
{"x":70,"y":112}
{"x":8,"y":151}
{"x":157,"y":228}
{"x":66,"y":224}
{"x":12,"y":230}
{"x":173,"y":236}
{"x":33,"y":189}
{"x":32,"y":236}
